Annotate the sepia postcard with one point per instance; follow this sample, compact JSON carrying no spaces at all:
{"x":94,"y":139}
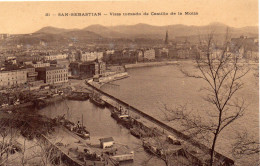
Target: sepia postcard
{"x":129,"y":83}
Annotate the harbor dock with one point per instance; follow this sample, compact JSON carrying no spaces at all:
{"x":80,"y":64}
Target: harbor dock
{"x":151,"y":122}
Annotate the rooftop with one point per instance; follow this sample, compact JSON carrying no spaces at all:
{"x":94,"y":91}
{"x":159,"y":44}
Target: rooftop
{"x":49,"y":68}
{"x":108,"y":139}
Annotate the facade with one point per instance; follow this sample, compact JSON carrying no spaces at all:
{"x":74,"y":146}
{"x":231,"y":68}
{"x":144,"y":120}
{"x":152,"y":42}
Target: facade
{"x":52,"y":75}
{"x":149,"y":54}
{"x":90,"y":56}
{"x":55,"y":57}
{"x":110,"y":52}
{"x":140,"y":56}
{"x":88,"y":69}
{"x":31,"y":74}
{"x":72,"y":57}
{"x":40,"y":64}
{"x":161,"y":53}
{"x":74,"y":68}
{"x":13,"y":78}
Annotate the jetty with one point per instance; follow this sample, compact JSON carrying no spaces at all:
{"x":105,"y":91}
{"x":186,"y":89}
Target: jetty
{"x":149,"y":120}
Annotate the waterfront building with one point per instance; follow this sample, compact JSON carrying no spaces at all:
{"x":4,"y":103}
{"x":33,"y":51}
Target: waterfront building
{"x":149,"y":54}
{"x":140,"y":56}
{"x":161,"y":53}
{"x":116,"y":69}
{"x":88,"y":69}
{"x":106,"y":142}
{"x":101,"y":67}
{"x":11,"y":78}
{"x":52,"y":75}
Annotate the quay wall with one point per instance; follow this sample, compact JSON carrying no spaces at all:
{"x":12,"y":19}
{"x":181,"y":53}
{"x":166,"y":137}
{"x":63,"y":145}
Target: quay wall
{"x":181,"y":135}
{"x":11,"y":107}
{"x":150,"y":64}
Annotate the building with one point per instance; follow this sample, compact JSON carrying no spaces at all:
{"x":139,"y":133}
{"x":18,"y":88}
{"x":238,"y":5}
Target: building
{"x":106,"y":142}
{"x":40,"y":64}
{"x":90,"y":56}
{"x":140,"y":55}
{"x":13,"y":78}
{"x":74,"y":68}
{"x":56,"y":57}
{"x":31,"y":74}
{"x":88,"y":69}
{"x":161,"y":53}
{"x":11,"y":60}
{"x":149,"y":54}
{"x":52,"y":75}
{"x":72,"y":57}
{"x":110,"y":52}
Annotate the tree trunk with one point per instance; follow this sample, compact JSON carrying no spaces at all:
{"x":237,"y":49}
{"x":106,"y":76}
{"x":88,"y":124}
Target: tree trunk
{"x":213,"y":149}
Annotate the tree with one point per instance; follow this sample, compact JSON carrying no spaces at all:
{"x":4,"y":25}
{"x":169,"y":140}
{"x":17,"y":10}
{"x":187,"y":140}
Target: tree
{"x":246,"y":146}
{"x":222,"y":72}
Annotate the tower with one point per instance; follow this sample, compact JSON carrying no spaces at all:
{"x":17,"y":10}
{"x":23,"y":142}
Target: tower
{"x":166,"y":38}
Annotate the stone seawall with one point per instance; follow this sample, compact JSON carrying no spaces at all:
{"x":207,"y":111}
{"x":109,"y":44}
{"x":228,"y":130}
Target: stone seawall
{"x":226,"y":160}
{"x":150,"y":64}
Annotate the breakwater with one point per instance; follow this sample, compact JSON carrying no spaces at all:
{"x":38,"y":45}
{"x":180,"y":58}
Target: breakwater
{"x":181,"y":135}
{"x":150,"y":64}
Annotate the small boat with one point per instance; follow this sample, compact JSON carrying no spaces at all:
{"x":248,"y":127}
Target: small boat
{"x":81,"y":132}
{"x":78,"y":129}
{"x":78,"y":96}
{"x":94,"y":98}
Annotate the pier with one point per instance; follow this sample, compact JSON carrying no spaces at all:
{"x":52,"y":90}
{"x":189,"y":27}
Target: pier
{"x":113,"y":101}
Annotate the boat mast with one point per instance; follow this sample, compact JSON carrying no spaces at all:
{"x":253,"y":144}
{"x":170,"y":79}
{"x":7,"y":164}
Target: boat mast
{"x":82,"y":120}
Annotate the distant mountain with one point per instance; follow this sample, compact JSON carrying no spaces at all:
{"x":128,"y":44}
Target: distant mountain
{"x":132,"y":32}
{"x":180,"y":30}
{"x":52,"y":30}
{"x":154,"y":32}
{"x":80,"y":35}
{"x":104,"y":31}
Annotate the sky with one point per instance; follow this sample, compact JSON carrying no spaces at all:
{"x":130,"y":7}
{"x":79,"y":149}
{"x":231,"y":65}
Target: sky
{"x":28,"y":17}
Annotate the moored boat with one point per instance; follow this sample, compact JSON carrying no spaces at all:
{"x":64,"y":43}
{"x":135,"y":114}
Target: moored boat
{"x":78,"y":129}
{"x":97,"y":100}
{"x":78,"y":96}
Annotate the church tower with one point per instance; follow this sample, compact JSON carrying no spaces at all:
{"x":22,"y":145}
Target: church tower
{"x":166,"y":42}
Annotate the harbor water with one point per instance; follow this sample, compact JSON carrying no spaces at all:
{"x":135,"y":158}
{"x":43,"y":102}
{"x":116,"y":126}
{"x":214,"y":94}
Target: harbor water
{"x":149,"y":89}
{"x":100,"y":125}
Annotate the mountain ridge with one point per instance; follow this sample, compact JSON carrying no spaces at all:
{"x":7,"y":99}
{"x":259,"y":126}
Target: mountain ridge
{"x":141,"y":29}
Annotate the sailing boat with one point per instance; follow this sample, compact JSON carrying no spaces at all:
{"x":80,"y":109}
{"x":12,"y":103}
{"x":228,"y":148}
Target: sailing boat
{"x":80,"y":130}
